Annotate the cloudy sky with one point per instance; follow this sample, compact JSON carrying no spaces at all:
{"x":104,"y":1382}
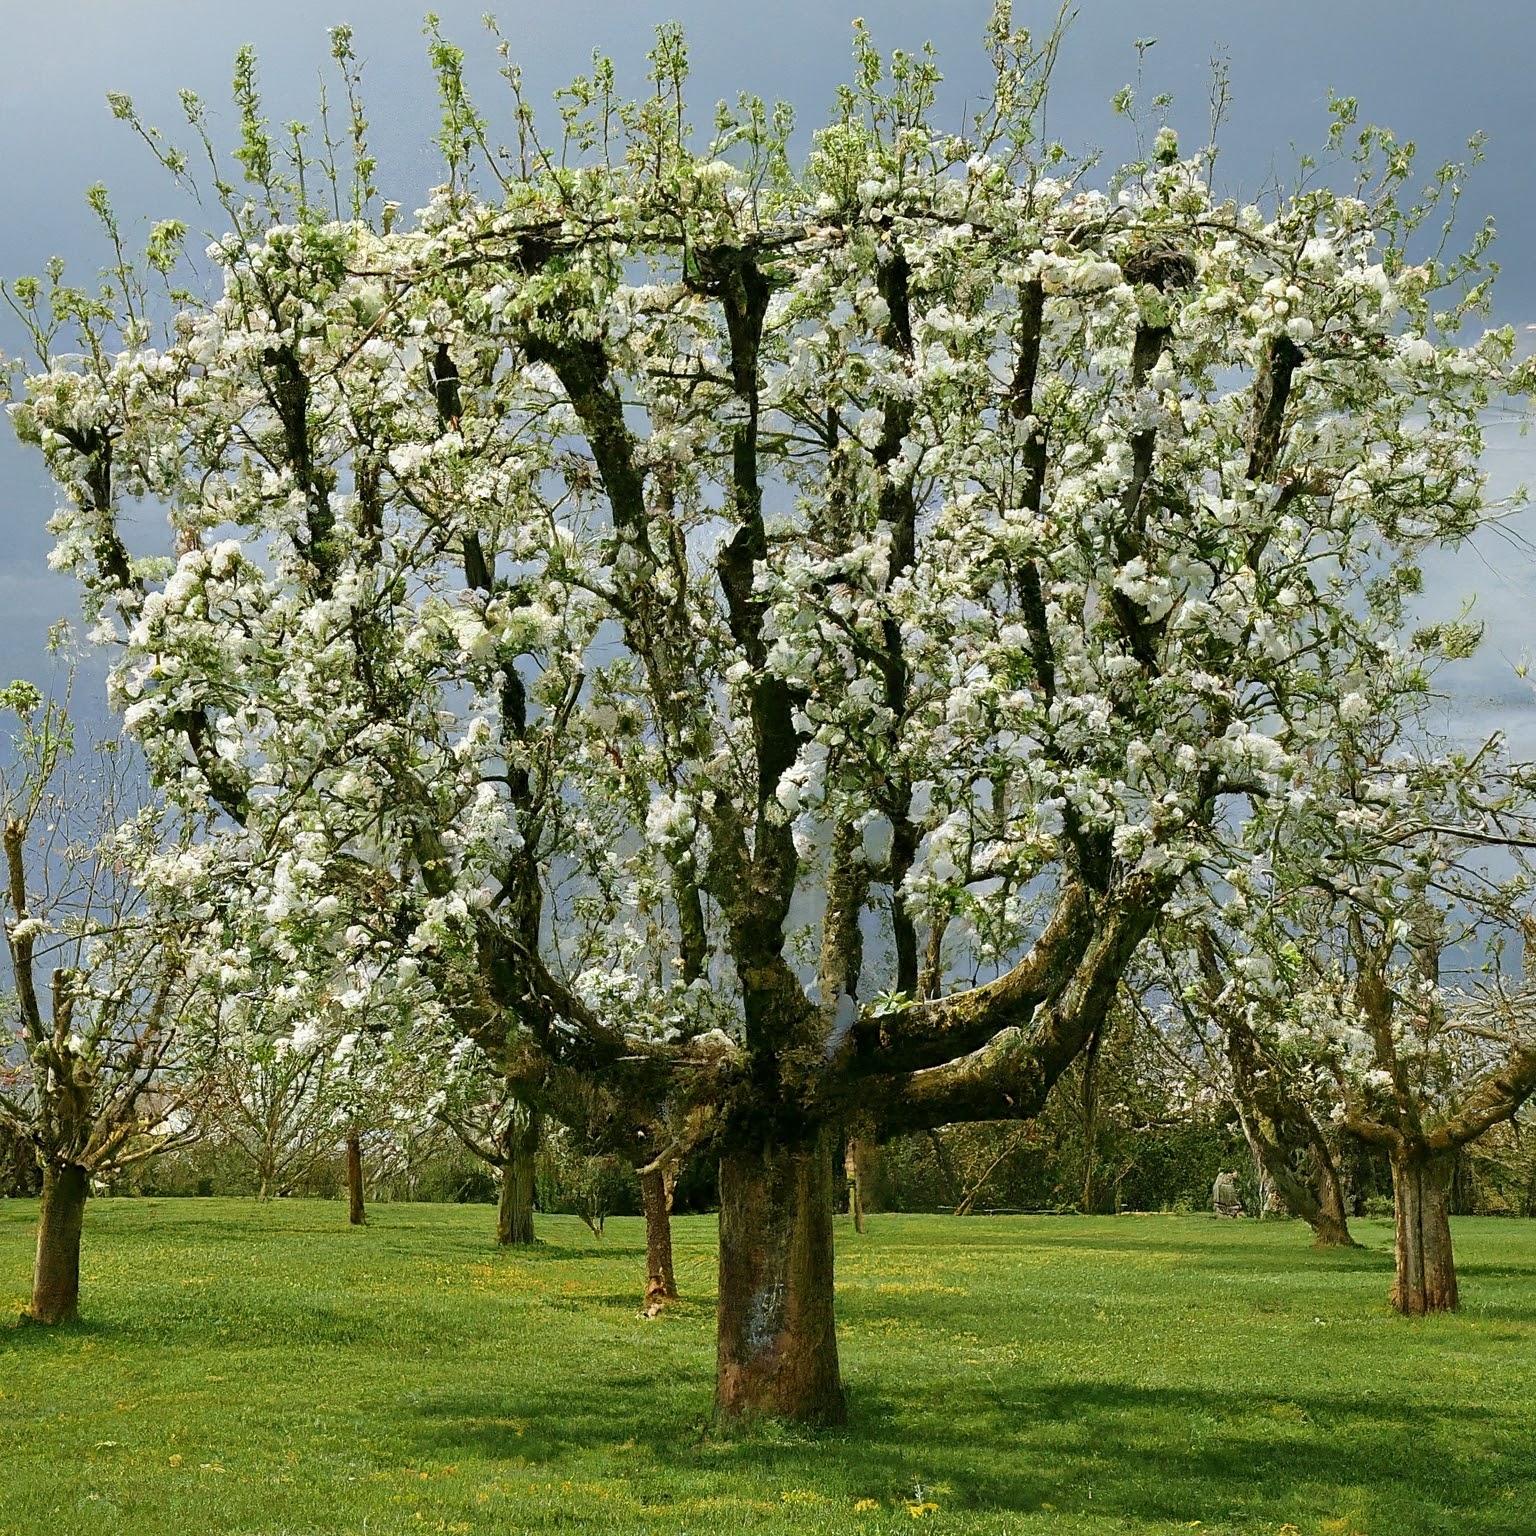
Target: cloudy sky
{"x":1436,"y":73}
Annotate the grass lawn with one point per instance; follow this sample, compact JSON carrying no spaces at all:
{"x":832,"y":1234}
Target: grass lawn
{"x":266,"y":1369}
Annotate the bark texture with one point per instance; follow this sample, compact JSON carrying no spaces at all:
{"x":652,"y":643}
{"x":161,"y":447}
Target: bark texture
{"x":354,"y":1179}
{"x":660,"y":1282}
{"x":1316,"y":1195}
{"x":1330,"y":1225}
{"x":776,"y":1338}
{"x":514,"y":1213}
{"x":1426,"y":1266}
{"x":56,"y":1276}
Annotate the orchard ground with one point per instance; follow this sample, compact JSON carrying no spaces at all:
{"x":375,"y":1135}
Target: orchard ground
{"x":251,"y":1368}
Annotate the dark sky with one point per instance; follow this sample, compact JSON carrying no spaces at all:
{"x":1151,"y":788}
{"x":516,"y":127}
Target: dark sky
{"x":1435,"y":72}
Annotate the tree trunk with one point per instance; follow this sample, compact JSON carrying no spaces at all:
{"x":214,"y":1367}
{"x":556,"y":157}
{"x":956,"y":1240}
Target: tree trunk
{"x":660,"y":1282}
{"x":1317,"y":1198}
{"x":56,"y":1277}
{"x":1268,"y":1200}
{"x":1280,"y":1125}
{"x":354,"y":1179}
{"x":1088,"y":1103}
{"x":514,"y":1214}
{"x":855,"y":1183}
{"x":1330,"y":1225}
{"x":1426,"y":1267}
{"x":777,"y":1343}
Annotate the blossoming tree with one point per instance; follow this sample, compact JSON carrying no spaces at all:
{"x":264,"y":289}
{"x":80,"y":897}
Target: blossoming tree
{"x":487,"y":1115}
{"x":1276,"y":1076}
{"x":273,"y":1102}
{"x":1382,"y":914}
{"x":767,"y":642}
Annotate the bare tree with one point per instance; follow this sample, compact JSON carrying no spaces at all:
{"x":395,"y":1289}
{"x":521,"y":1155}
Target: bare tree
{"x":276,"y":1103}
{"x":94,"y":1079}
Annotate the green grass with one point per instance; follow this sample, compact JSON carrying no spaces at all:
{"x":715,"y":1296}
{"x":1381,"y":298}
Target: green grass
{"x":266,"y":1369}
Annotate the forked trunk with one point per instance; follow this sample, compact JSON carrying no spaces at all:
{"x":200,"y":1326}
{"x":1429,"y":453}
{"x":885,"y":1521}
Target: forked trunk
{"x":514,"y":1214}
{"x":660,"y":1282}
{"x":1426,"y":1267}
{"x":56,"y":1277}
{"x":777,"y":1343}
{"x":354,"y":1179}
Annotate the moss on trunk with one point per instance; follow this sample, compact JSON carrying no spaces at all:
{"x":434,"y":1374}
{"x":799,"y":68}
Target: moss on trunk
{"x":514,"y":1213}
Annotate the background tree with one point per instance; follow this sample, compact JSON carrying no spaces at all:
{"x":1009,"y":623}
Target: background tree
{"x":375,"y":1096}
{"x":484,"y":1110}
{"x":277,"y":1102}
{"x":1277,"y":1077}
{"x":921,"y":542}
{"x":1446,"y":1069}
{"x":96,"y":1076}
{"x":1380,"y":919}
{"x":1503,"y":1168}
{"x":496,"y":1116}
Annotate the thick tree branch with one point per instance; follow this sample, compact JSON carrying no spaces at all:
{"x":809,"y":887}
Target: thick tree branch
{"x":1498,"y":1097}
{"x":926,"y":1034}
{"x":1010,"y":1076}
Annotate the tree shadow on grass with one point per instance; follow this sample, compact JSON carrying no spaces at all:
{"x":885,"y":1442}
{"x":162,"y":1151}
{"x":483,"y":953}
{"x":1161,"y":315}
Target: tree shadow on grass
{"x":20,"y":1332}
{"x":1248,"y":1247}
{"x":547,"y":1251}
{"x":584,"y":1302}
{"x":1494,"y":1310}
{"x":1481,"y":1271}
{"x":1134,"y":1454}
{"x":1167,"y":1453}
{"x":1261,"y":1242}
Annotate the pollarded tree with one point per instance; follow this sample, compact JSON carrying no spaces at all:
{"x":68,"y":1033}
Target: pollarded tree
{"x":864,"y":595}
{"x":96,"y":1074}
